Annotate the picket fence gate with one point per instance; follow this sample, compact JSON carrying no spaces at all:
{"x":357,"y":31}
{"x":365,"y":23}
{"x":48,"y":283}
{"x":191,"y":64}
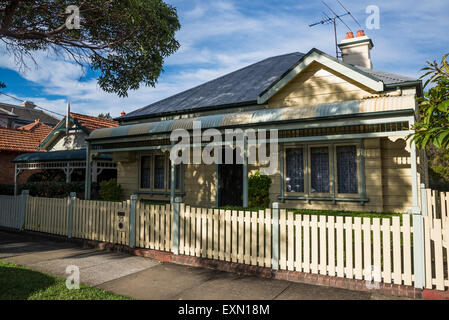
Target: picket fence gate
{"x":435,"y":207}
{"x":371,"y":249}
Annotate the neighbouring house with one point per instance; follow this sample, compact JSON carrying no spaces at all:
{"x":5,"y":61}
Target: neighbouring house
{"x":15,"y":116}
{"x":65,"y":149}
{"x":342,"y":129}
{"x":14,"y":142}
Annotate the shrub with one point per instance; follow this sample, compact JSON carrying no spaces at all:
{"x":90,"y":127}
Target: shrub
{"x":259,"y":190}
{"x":55,"y":189}
{"x":52,"y":189}
{"x":7,"y":189}
{"x":110,"y":190}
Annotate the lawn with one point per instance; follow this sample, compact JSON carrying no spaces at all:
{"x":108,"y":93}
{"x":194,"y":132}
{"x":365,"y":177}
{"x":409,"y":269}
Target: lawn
{"x":20,"y":283}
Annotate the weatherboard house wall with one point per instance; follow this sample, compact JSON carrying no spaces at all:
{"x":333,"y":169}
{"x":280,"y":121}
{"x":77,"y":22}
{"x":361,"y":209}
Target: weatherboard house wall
{"x":313,"y":100}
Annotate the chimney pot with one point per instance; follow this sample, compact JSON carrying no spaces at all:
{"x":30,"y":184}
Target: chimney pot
{"x":349,"y":35}
{"x":357,"y":51}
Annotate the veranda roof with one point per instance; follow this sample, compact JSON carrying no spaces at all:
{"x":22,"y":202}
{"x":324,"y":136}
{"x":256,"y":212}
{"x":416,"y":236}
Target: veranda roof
{"x":344,"y":109}
{"x":66,"y":155}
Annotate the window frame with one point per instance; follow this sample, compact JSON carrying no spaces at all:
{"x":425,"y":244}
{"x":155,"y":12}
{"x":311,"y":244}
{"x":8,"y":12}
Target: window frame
{"x":140,"y":171}
{"x":330,"y":167}
{"x":333,"y":170}
{"x":167,"y":168}
{"x":304,"y":170}
{"x":358,"y":163}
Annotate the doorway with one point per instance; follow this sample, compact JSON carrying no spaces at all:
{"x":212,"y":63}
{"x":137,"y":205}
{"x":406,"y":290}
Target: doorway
{"x":230,"y":182}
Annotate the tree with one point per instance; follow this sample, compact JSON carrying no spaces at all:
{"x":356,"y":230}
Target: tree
{"x":106,"y":116}
{"x":124,"y":42}
{"x":432,"y":126}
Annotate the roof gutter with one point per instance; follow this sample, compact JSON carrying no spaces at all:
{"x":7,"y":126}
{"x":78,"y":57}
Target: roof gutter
{"x":174,"y":113}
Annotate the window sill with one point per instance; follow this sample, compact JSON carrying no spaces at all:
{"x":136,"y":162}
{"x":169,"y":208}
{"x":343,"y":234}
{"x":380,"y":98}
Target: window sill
{"x":305,"y":198}
{"x":163,"y":193}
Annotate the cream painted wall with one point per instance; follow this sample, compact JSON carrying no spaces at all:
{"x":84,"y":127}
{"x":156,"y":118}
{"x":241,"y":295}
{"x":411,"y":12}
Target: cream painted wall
{"x":316,"y":85}
{"x":76,"y":140}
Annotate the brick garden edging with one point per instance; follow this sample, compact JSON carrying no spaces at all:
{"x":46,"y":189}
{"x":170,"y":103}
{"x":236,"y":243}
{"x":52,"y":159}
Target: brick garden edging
{"x":301,"y":277}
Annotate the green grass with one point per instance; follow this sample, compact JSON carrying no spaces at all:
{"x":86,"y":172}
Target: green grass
{"x":20,"y":283}
{"x":335,"y":213}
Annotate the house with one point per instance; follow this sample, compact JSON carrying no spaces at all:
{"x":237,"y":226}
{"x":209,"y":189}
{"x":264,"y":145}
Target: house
{"x":342,"y":128}
{"x":63,"y":148}
{"x":14,"y":142}
{"x":15,"y":116}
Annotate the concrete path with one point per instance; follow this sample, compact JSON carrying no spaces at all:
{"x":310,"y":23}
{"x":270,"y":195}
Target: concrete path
{"x":143,"y":278}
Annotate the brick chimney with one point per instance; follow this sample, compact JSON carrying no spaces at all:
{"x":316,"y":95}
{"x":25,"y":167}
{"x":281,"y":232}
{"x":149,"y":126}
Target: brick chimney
{"x":356,"y":50}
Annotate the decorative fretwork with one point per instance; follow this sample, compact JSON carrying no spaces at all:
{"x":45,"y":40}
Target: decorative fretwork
{"x":355,"y":129}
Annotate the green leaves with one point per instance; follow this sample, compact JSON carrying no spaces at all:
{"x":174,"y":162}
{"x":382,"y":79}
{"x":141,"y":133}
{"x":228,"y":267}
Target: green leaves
{"x":432,"y":126}
{"x":124,"y":42}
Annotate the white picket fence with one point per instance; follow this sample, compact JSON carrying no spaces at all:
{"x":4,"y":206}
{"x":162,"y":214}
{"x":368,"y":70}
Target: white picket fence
{"x":371,"y":249}
{"x":349,"y":247}
{"x":436,"y":238}
{"x":11,"y":211}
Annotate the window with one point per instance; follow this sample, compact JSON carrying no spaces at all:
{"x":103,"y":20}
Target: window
{"x":295,"y":170}
{"x":319,"y":169}
{"x":145,"y":173}
{"x":159,"y":172}
{"x":347,"y":169}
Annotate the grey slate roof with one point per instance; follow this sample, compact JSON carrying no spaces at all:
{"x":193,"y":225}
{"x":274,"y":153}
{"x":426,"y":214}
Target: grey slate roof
{"x":386,"y":77}
{"x":241,"y":87}
{"x":26,"y":115}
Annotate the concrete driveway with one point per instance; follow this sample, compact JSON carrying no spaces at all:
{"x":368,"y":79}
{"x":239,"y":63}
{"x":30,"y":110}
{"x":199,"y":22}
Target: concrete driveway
{"x":148,"y":279}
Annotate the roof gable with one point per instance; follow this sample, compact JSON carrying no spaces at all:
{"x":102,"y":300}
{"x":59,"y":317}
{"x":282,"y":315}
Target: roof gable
{"x":82,"y":122}
{"x":315,"y":55}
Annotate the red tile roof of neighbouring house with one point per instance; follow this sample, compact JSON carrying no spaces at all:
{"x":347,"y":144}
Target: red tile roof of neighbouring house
{"x":92,"y":123}
{"x":24,"y":139}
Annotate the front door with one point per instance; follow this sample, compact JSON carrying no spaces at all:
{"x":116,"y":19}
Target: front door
{"x":230,"y":183}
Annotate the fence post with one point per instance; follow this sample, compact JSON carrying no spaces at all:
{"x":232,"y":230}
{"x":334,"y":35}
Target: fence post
{"x":423,"y":200}
{"x":132,"y":221}
{"x":175,"y":227}
{"x":419,"y":257}
{"x":71,"y":202}
{"x":25,"y":194}
{"x":275,"y":233}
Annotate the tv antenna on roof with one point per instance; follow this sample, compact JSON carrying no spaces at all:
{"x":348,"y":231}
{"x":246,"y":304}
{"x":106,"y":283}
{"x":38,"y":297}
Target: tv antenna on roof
{"x":333,"y":20}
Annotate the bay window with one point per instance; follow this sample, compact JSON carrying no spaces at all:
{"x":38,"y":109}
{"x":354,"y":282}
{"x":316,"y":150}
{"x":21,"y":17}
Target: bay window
{"x":327,"y":171}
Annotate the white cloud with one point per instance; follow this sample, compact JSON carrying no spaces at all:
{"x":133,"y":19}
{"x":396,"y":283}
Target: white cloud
{"x":218,"y":37}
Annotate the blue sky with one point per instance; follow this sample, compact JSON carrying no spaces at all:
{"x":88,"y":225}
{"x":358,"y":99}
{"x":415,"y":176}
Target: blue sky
{"x":221,"y":36}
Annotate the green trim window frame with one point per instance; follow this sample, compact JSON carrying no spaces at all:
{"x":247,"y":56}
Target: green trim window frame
{"x":323,"y":161}
{"x":294,"y":164}
{"x":155,"y":173}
